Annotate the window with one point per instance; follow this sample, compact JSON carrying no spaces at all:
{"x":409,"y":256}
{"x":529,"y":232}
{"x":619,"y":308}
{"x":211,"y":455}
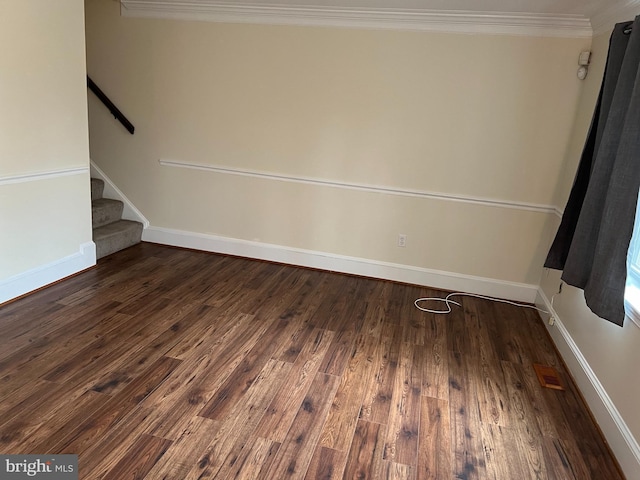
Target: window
{"x":632,"y":291}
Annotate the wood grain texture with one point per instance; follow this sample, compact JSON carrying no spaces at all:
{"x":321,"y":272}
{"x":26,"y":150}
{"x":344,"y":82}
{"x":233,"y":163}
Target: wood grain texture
{"x":435,"y":453}
{"x":164,"y":363}
{"x":139,"y":459}
{"x":326,"y":464}
{"x":366,"y":452}
{"x":296,"y":451}
{"x":283,"y":408}
{"x":347,"y":402}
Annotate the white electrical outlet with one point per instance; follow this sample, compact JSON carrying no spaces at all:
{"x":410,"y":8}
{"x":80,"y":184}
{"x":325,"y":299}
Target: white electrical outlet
{"x":402,"y":240}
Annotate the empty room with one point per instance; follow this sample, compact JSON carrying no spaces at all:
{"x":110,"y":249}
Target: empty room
{"x":319,"y":239}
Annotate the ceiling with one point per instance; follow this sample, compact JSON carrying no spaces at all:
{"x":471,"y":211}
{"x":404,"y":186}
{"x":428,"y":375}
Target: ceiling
{"x":537,"y":17}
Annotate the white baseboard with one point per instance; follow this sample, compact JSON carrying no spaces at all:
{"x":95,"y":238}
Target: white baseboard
{"x":130,"y":212}
{"x":343,"y":264}
{"x":622,"y":442}
{"x":44,"y":275}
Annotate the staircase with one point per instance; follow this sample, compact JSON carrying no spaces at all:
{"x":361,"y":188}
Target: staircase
{"x":110,"y":232}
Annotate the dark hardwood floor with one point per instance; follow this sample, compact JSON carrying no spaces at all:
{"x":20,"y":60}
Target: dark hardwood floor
{"x":164,"y":363}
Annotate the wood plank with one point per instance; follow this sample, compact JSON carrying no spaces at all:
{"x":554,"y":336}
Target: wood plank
{"x":295,"y":453}
{"x":336,"y":359}
{"x":77,"y":437}
{"x":141,"y":458}
{"x":399,"y":471}
{"x":345,"y":406}
{"x":40,"y":343}
{"x":283,"y":408}
{"x":143,"y":352}
{"x":241,"y":422}
{"x":254,"y":459}
{"x":512,"y":345}
{"x":434,"y":455}
{"x":21,"y":335}
{"x":243,"y":376}
{"x":464,"y":417}
{"x":414,"y":321}
{"x":376,"y":309}
{"x":526,"y":382}
{"x":401,"y":441}
{"x":28,"y":364}
{"x":562,"y":463}
{"x":245,"y":373}
{"x":379,"y":392}
{"x":335,"y":313}
{"x":25,"y":432}
{"x":502,"y":460}
{"x":366,"y":452}
{"x":106,"y":451}
{"x":435,"y":371}
{"x":326,"y":464}
{"x":184,"y":452}
{"x":213,"y":370}
{"x":199,"y":361}
{"x":525,"y":424}
{"x":456,"y":334}
{"x":43,"y":400}
{"x":106,"y":349}
{"x":331,"y":297}
{"x":493,"y":404}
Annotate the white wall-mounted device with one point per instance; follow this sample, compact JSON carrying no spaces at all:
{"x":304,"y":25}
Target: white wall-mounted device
{"x":583,"y":61}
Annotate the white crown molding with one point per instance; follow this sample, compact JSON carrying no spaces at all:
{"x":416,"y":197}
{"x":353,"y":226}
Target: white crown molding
{"x":446,"y":21}
{"x":605,"y":18}
{"x":363,"y":187}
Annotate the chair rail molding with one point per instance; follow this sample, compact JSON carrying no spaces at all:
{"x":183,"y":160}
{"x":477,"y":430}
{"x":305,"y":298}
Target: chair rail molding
{"x":44,"y":175}
{"x":364,"y":187}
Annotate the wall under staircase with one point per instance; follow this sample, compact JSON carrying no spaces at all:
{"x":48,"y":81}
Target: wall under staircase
{"x":111,"y":233}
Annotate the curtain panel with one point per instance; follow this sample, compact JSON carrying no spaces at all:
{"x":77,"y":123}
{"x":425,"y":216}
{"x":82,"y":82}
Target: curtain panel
{"x":592,"y":241}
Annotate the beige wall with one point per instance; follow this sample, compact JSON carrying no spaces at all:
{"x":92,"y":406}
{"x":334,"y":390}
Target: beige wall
{"x":613,"y":353}
{"x":481,"y":116}
{"x":44,"y":211}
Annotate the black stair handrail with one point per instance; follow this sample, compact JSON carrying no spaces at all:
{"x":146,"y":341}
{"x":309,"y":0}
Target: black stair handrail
{"x":109,"y":104}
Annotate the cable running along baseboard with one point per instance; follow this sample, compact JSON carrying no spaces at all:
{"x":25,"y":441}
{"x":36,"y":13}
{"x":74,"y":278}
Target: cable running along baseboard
{"x":447,"y":301}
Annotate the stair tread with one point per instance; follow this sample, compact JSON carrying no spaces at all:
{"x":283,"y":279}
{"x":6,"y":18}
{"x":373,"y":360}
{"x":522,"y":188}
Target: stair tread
{"x":114,"y":228}
{"x":99,"y":202}
{"x":116,"y":236}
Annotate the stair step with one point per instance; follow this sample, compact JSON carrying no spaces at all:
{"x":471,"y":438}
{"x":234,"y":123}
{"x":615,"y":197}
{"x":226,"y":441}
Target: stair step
{"x":104,"y":211}
{"x":116,"y":236}
{"x":97,"y":187}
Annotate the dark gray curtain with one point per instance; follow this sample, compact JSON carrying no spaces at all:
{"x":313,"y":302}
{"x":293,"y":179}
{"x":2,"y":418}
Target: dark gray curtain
{"x":593,"y":238}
